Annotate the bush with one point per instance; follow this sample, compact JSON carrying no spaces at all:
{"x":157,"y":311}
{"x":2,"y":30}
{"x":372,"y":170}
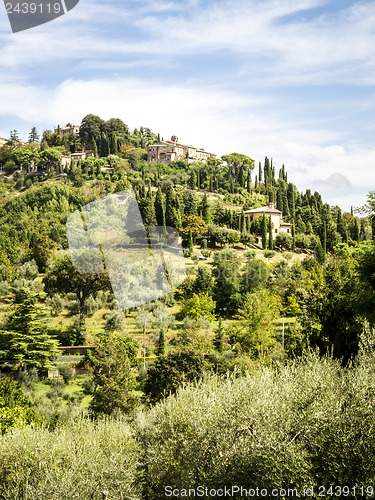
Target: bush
{"x":74,"y":462}
{"x":56,"y":303}
{"x":284,"y":240}
{"x":171,"y":370}
{"x":66,"y":371}
{"x":311,"y":423}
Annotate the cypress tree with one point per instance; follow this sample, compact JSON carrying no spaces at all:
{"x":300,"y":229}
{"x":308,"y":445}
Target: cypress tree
{"x":161,"y":344}
{"x":294,"y":237}
{"x":205,"y":208}
{"x":190,"y":241}
{"x":324,"y":238}
{"x":291,"y":201}
{"x":270,"y":236}
{"x":193,"y":180}
{"x":95,"y":148}
{"x":172,"y":215}
{"x":341,"y":229}
{"x":264,"y":232}
{"x":319,"y":253}
{"x":260,"y":173}
{"x":113,"y":144}
{"x":279,"y":199}
{"x":373,"y":227}
{"x":256,"y":182}
{"x":218,"y":341}
{"x":242,"y":222}
{"x":249,"y":181}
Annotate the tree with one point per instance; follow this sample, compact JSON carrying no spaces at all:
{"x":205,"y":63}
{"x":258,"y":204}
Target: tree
{"x":159,"y":208}
{"x":205,"y":209}
{"x":194,"y":224}
{"x":25,"y":337}
{"x":114,"y":380}
{"x":198,"y":306}
{"x":237,"y":160}
{"x":49,"y":157}
{"x":171,"y":370}
{"x":284,"y":240}
{"x":14,"y":138}
{"x":270,"y":235}
{"x":134,"y":155}
{"x":91,"y":129}
{"x":44,"y":249}
{"x":15,"y":407}
{"x":227,"y":290}
{"x":62,"y":277}
{"x":172,"y":214}
{"x":264,"y":231}
{"x":256,"y":317}
{"x":33,"y":135}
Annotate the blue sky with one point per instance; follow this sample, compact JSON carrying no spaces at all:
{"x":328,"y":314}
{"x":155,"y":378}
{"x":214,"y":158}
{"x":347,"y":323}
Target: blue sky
{"x":290,"y":79}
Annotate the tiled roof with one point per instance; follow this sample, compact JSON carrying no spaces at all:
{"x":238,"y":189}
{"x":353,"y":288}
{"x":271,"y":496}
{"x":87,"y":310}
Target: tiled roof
{"x":261,"y":210}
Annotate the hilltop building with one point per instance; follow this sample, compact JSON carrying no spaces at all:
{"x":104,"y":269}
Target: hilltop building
{"x":74,"y":129}
{"x":168,"y":151}
{"x":279,"y":225}
{"x":67,"y":160}
{"x":3,"y":141}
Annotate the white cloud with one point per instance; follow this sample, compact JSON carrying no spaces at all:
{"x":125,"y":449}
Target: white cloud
{"x":210,"y":117}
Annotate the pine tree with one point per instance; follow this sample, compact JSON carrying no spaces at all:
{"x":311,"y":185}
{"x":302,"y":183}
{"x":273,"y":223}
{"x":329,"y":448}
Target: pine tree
{"x":33,"y":136}
{"x":25,"y":337}
{"x":159,"y":208}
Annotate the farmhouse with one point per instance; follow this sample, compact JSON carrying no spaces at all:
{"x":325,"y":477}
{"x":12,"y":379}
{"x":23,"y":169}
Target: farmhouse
{"x":168,"y":151}
{"x":73,"y":129}
{"x":279,"y":225}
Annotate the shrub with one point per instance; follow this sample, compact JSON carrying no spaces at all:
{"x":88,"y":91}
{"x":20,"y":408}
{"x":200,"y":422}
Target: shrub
{"x":311,"y":422}
{"x":74,"y":462}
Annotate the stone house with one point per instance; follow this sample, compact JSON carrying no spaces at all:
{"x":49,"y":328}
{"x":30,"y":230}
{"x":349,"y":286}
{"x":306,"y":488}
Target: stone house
{"x":74,"y":129}
{"x":279,"y":225}
{"x":168,"y":151}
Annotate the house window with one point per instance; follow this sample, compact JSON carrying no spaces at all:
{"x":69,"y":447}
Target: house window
{"x":275,"y":231}
{"x":288,"y":230}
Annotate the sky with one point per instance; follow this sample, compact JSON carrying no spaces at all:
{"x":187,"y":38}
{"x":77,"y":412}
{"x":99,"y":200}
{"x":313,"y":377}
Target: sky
{"x":289,"y":79}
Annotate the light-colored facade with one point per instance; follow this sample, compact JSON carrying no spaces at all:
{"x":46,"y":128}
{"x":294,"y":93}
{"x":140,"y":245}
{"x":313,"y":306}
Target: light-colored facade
{"x":74,"y":129}
{"x":2,"y":141}
{"x":168,"y":151}
{"x":67,"y":160}
{"x":279,"y":225}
